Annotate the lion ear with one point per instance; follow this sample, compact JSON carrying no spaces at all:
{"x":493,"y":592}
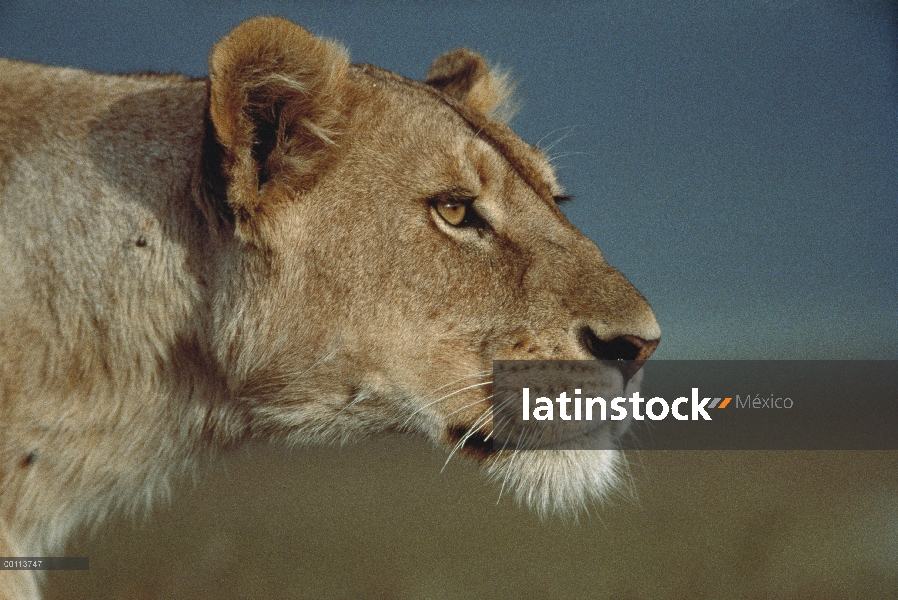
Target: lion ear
{"x":277,"y":104}
{"x":464,"y":76}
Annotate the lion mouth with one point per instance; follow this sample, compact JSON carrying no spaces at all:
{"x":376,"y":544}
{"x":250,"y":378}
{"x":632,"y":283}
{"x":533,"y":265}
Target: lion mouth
{"x":477,"y":444}
{"x":480,"y":445}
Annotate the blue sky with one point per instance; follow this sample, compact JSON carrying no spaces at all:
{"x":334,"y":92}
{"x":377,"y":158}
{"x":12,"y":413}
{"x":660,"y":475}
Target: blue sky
{"x":738,"y":163}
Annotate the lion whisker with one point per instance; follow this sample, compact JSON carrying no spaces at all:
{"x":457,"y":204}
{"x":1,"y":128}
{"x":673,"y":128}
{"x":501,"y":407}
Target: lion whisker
{"x":500,"y":421}
{"x":522,"y":444}
{"x":466,"y":406}
{"x":568,"y":131}
{"x":419,"y":409}
{"x":553,"y":159}
{"x":462,"y":378}
{"x":514,"y":455}
{"x":358,"y":399}
{"x":471,"y":431}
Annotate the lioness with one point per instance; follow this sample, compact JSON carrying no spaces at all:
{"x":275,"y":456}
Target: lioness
{"x":295,"y":249}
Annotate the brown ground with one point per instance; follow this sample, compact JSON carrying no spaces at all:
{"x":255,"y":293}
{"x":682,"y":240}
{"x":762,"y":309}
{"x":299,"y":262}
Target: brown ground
{"x":379,"y":520}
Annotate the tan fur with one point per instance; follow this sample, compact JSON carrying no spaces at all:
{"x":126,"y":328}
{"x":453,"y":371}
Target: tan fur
{"x":188,"y":265}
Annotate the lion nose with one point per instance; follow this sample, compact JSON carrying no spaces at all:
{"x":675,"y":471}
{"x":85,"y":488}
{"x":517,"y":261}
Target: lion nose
{"x":628,"y":348}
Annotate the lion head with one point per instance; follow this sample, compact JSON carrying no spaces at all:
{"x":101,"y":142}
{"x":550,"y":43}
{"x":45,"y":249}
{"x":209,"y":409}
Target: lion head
{"x":392,"y":239}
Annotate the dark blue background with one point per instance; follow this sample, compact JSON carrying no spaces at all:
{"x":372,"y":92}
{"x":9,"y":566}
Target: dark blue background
{"x":738,"y":163}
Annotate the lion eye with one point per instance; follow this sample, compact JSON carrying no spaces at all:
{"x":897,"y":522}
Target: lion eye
{"x":453,"y":212}
{"x":456,"y":210}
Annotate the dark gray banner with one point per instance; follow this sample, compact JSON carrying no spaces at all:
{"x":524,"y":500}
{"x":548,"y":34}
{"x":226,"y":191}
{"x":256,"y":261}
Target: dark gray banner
{"x":696,"y":405}
{"x":44,"y":563}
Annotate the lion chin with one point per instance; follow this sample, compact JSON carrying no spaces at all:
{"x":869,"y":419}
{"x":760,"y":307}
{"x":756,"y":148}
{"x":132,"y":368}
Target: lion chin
{"x":574,"y":466}
{"x":558,"y":482}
